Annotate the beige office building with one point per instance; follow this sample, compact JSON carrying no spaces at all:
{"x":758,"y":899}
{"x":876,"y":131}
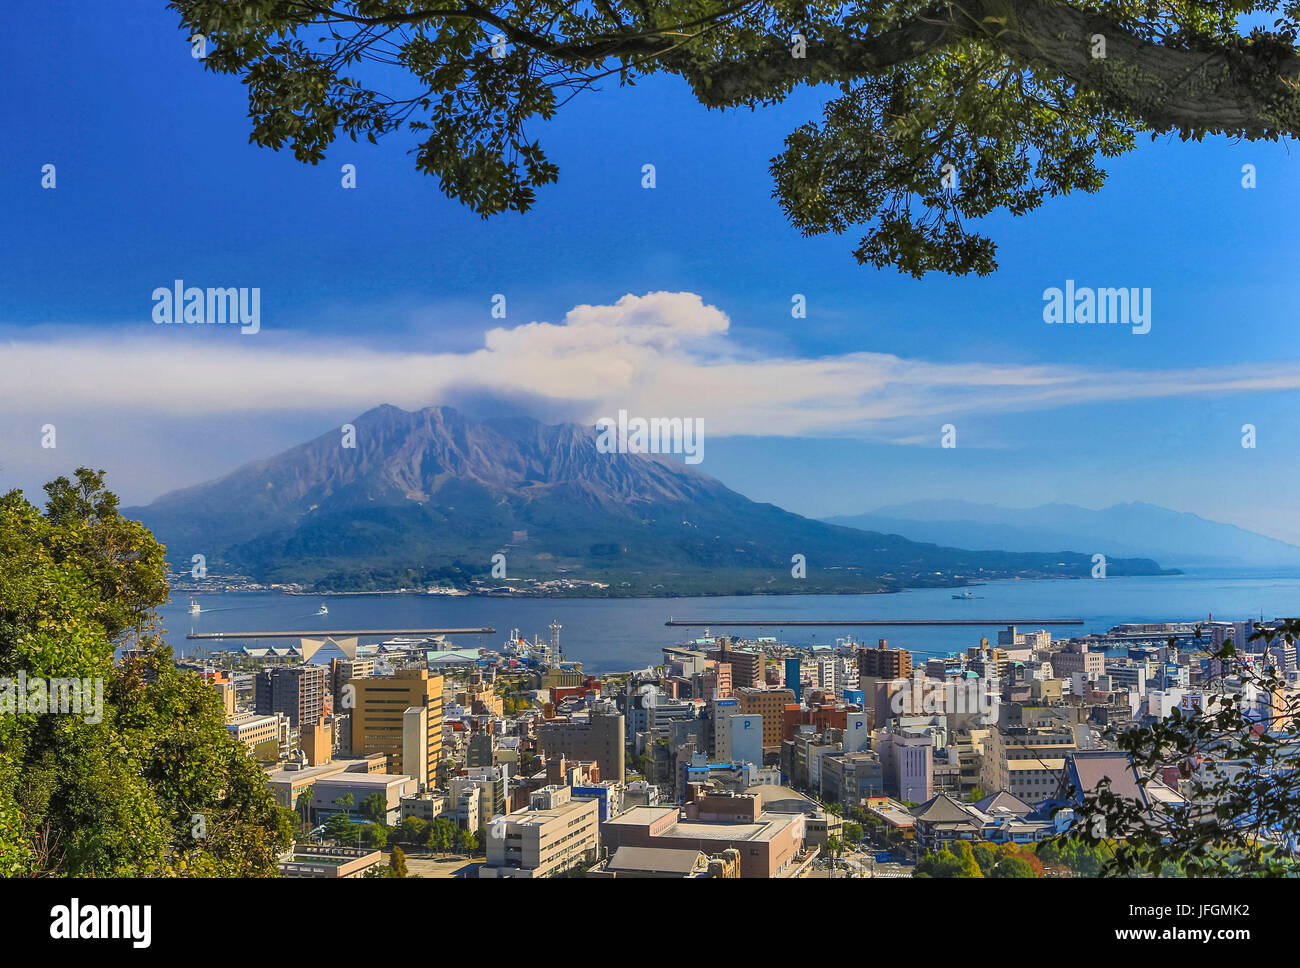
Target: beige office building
{"x":539,"y":842}
{"x":1026,"y":762}
{"x":253,"y":730}
{"x":381,"y":724}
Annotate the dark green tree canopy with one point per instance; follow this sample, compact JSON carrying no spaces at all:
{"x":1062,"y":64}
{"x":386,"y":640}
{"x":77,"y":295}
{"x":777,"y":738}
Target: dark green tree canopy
{"x":151,"y":783}
{"x":1022,"y":98}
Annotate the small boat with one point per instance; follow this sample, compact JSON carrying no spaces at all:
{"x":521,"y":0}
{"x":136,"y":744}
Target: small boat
{"x":194,"y":607}
{"x":964,"y":596}
{"x":323,"y":610}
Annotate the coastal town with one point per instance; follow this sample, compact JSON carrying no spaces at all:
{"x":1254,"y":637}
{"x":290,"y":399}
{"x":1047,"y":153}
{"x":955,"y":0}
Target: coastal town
{"x":733,"y":757}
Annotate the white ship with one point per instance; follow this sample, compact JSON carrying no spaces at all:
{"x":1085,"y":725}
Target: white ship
{"x":194,"y":607}
{"x":323,"y":610}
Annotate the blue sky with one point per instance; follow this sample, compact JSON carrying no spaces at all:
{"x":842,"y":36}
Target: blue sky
{"x":383,"y":294}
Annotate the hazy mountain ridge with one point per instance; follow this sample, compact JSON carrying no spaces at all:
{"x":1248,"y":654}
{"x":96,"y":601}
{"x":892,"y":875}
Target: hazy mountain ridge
{"x":431,"y":495}
{"x":1175,"y":538}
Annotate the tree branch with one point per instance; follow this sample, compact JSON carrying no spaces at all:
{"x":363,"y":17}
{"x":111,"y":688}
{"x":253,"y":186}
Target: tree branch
{"x":1250,"y":88}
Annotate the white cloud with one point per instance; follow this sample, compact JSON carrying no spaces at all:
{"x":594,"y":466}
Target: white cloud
{"x":657,"y":354}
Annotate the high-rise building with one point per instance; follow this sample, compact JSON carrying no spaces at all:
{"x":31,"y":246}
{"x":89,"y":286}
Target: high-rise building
{"x":297,"y":691}
{"x":380,"y":723}
{"x":343,"y":672}
{"x":906,"y":763}
{"x":770,"y":704}
{"x":794,"y":677}
{"x":1077,"y":657}
{"x":746,"y":664}
{"x":884,"y":663}
{"x":743,"y":740}
{"x":719,"y":721}
{"x":600,"y":737}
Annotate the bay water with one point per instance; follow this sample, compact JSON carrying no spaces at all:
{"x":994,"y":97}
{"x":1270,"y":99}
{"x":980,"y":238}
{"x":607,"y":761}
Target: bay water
{"x":611,"y":635}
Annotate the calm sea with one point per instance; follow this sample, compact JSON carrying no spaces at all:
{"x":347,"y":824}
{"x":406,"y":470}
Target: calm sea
{"x":615,"y":635}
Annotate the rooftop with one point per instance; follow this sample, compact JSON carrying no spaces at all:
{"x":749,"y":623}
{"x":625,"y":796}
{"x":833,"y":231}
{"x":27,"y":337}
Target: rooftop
{"x":767,"y":826}
{"x":378,"y":780}
{"x":782,"y":799}
{"x":658,"y":859}
{"x":532,"y":818}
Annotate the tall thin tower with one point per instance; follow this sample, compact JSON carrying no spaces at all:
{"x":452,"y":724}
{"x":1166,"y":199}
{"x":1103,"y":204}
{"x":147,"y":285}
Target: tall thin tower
{"x":555,"y":627}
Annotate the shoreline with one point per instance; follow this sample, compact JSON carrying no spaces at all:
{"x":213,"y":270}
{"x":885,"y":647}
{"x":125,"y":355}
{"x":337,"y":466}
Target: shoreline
{"x":634,"y":596}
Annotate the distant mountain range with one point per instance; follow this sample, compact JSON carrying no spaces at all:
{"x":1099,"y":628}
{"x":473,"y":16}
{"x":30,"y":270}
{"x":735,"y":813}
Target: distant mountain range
{"x":1175,"y":538}
{"x":429,"y":497}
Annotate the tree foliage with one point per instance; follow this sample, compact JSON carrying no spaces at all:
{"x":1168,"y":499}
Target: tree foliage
{"x":1011,"y":94}
{"x":1236,"y":762}
{"x":340,"y":829}
{"x":957,"y":860}
{"x":397,"y":863}
{"x":441,"y":835}
{"x":153,"y":784}
{"x":411,"y":831}
{"x":963,"y":859}
{"x":375,"y":808}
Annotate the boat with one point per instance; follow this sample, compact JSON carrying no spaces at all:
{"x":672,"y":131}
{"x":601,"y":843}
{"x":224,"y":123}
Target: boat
{"x":964,"y":596}
{"x":323,"y":610}
{"x":194,"y":607}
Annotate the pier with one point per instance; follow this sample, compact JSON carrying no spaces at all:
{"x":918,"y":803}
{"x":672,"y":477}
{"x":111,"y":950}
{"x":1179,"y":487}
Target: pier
{"x":801,"y":622}
{"x":353,"y":633}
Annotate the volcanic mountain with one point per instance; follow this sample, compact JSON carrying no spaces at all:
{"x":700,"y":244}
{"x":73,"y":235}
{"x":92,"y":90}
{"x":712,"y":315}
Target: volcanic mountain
{"x":430,"y":497}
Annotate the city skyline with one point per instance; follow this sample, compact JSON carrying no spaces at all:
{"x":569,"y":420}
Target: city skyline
{"x":436,"y":444}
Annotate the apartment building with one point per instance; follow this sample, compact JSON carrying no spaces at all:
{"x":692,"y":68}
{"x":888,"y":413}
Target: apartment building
{"x":769,"y":704}
{"x":297,"y":691}
{"x":556,"y":833}
{"x":1077,"y":657}
{"x":883,"y":662}
{"x":747,"y":665}
{"x":253,"y":730}
{"x":600,"y":737}
{"x":906,"y":763}
{"x":1026,"y":761}
{"x":488,"y":785}
{"x":343,"y":671}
